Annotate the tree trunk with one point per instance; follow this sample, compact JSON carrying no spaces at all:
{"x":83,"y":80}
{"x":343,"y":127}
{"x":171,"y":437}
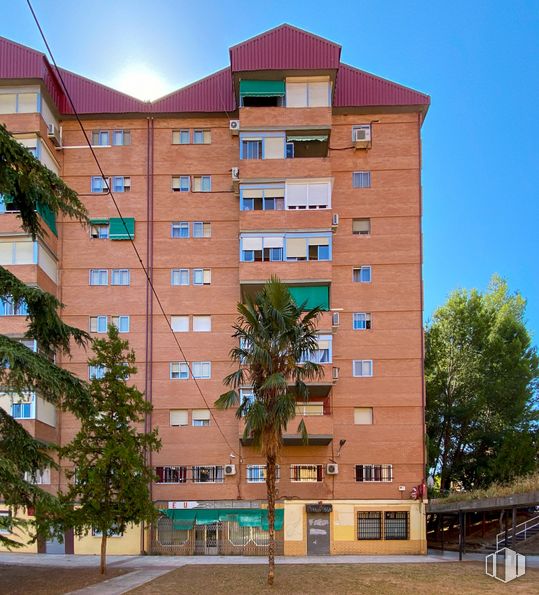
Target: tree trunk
{"x":270,"y":485}
{"x":103,"y":566}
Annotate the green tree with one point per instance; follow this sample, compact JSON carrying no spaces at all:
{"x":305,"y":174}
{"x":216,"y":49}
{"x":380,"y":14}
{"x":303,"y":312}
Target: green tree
{"x":110,"y":477}
{"x":33,"y":189}
{"x":481,"y":378}
{"x":274,"y":335}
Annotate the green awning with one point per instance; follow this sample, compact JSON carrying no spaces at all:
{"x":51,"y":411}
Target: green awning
{"x":48,"y":216}
{"x":7,"y":199}
{"x":184,"y":519}
{"x":118,"y":231}
{"x":311,"y":296}
{"x":306,"y":139}
{"x":262,"y":88}
{"x":99,"y":221}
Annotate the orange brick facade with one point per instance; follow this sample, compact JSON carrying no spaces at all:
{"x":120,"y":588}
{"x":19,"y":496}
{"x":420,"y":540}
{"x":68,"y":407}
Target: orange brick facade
{"x":393,"y":297}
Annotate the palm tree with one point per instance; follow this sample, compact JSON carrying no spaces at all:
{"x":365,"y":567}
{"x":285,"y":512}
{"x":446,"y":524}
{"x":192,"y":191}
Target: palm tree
{"x":275,"y":338}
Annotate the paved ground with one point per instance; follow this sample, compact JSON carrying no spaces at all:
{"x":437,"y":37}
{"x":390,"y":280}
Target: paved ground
{"x":146,"y":568}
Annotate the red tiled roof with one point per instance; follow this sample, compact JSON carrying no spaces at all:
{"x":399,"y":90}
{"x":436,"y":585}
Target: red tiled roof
{"x":211,"y":94}
{"x":285,"y":48}
{"x":282,"y":48}
{"x":356,"y":87}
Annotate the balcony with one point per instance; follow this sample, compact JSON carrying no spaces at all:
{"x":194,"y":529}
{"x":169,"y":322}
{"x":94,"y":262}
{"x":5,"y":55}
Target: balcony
{"x":263,"y":169}
{"x":273,"y":117}
{"x":288,"y":271}
{"x":288,"y":219}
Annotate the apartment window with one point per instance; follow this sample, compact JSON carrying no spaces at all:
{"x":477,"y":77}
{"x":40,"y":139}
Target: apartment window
{"x":121,"y":323}
{"x":120,"y":277}
{"x":170,"y":474}
{"x":179,"y":324}
{"x":39,"y":477}
{"x":179,"y":277}
{"x":23,"y":407}
{"x":180,"y":229}
{"x":201,"y":324}
{"x":121,"y":137}
{"x":100,"y":138}
{"x":322,"y":355}
{"x":314,"y":93}
{"x":99,"y":277}
{"x":202,"y":137}
{"x":369,"y":525}
{"x":201,"y":370}
{"x":179,"y":371}
{"x":200,"y":418}
{"x":361,"y":321}
{"x":21,"y":103}
{"x":362,"y":367}
{"x":361,"y":179}
{"x":98,"y":324}
{"x":362,"y":274}
{"x":201,"y":276}
{"x":396,"y":525}
{"x":309,"y":408}
{"x":306,"y":473}
{"x":314,"y":194}
{"x":319,"y":248}
{"x":208,"y":474}
{"x":201,"y":183}
{"x":374,"y":473}
{"x":361,"y":227}
{"x":5,"y":515}
{"x":257,"y":473}
{"x":262,"y":198}
{"x":181,"y":183}
{"x":99,"y":184}
{"x":312,"y":248}
{"x":6,"y":204}
{"x":181,"y":137}
{"x":363,"y":416}
{"x":10,"y":308}
{"x":99,"y":231}
{"x":96,"y":372}
{"x":179,"y":417}
{"x":121,"y":184}
{"x":201,"y":229}
{"x":251,"y":149}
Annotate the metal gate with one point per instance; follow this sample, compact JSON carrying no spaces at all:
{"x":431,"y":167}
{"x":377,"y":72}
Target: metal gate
{"x":207,"y":539}
{"x":317,"y":533}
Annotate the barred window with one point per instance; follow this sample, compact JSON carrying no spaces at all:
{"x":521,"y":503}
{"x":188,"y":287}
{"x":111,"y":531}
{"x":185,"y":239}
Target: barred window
{"x":396,"y":525}
{"x":209,"y":474}
{"x":171,"y":474}
{"x":369,"y":473}
{"x":257,"y":473}
{"x":305,"y":473}
{"x":369,"y":525}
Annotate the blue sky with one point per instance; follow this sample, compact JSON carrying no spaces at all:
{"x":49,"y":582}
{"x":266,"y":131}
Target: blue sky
{"x":477,"y":59}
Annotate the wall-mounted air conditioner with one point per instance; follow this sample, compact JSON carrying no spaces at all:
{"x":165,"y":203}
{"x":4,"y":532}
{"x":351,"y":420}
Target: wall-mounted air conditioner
{"x":332,"y":469}
{"x":234,"y":126}
{"x":54,"y":134}
{"x":362,"y":136}
{"x":335,"y":372}
{"x":230,"y":469}
{"x":235,"y":171}
{"x":335,"y":319}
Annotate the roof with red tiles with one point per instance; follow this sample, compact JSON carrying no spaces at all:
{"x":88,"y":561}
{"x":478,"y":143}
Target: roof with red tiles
{"x":284,"y":48}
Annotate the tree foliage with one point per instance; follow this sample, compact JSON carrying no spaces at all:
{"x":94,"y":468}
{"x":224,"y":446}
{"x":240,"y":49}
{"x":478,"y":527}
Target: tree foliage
{"x":110,"y":477}
{"x":274,"y":334}
{"x":32,"y":187}
{"x":481,"y":379}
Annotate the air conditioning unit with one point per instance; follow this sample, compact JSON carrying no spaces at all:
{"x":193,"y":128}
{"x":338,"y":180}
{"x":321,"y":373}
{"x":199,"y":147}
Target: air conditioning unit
{"x":332,"y":469}
{"x":402,"y":488}
{"x":230,"y":469}
{"x":362,"y":136}
{"x":54,"y":134}
{"x":234,"y":126}
{"x":335,"y":372}
{"x":335,"y":319}
{"x":127,"y":184}
{"x":235,"y":174}
{"x":335,"y":220}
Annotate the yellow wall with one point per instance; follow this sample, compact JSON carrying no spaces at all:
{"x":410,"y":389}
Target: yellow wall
{"x":20,"y":536}
{"x":343,"y":528}
{"x":128,"y":544}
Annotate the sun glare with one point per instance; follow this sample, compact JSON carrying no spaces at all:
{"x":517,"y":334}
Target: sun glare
{"x":140,"y":81}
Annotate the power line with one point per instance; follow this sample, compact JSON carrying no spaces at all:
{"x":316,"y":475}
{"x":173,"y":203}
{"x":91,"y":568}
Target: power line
{"x":154,"y":292}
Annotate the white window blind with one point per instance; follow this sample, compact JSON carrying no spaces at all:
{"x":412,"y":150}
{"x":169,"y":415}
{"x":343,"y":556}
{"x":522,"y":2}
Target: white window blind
{"x":273,"y":242}
{"x":179,"y":324}
{"x":319,"y":194}
{"x":296,"y":195}
{"x":363,"y":415}
{"x":319,"y":241}
{"x":296,"y":94}
{"x":179,"y":417}
{"x":274,"y":147}
{"x":24,"y":253}
{"x":6,"y":252}
{"x":201,"y":414}
{"x":253,"y":193}
{"x":251,"y":243}
{"x":296,"y":248}
{"x":201,"y":324}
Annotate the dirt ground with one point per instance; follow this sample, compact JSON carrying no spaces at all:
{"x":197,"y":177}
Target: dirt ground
{"x":339,"y":579}
{"x":39,"y":580}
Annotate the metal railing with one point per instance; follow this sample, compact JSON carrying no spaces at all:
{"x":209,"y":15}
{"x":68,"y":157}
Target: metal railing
{"x":513,"y":533}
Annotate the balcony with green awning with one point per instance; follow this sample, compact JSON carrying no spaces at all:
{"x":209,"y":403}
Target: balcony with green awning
{"x":122,"y":230}
{"x":311,"y":296}
{"x":250,"y":88}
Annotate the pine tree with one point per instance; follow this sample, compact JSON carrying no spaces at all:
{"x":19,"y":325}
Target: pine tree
{"x":110,"y":479}
{"x":32,"y":189}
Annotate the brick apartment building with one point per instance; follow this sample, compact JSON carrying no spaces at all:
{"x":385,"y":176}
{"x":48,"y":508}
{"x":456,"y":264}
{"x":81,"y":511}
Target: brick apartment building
{"x":285,"y":162}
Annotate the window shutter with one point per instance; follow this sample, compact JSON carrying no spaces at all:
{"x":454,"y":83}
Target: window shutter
{"x":361,"y":226}
{"x":319,"y":241}
{"x":118,"y":231}
{"x":296,"y":195}
{"x":296,"y":94}
{"x":319,"y":94}
{"x":207,"y":276}
{"x":201,"y":414}
{"x":296,"y":248}
{"x":274,"y":147}
{"x":179,"y":324}
{"x":273,"y":242}
{"x":251,"y":243}
{"x":179,"y":417}
{"x":319,"y":194}
{"x":201,"y":324}
{"x":363,"y":415}
{"x":253,"y":193}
